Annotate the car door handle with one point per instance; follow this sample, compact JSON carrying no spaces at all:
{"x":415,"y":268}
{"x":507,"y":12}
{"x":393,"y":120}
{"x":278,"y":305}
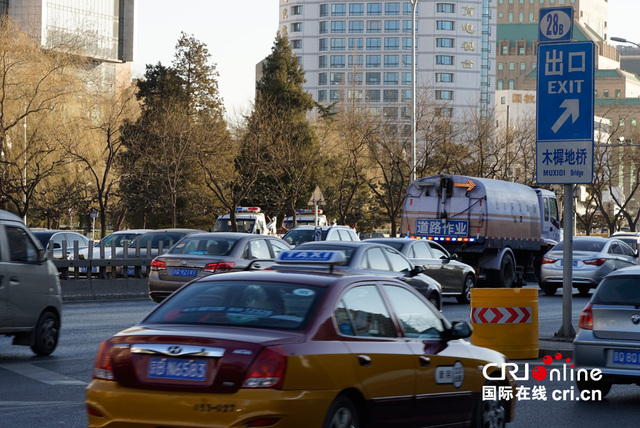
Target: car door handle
{"x":257,"y":266}
{"x":425,"y":361}
{"x":14,"y":280}
{"x":364,"y":360}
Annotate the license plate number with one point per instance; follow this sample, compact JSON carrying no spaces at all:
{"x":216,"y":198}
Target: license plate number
{"x":574,"y":263}
{"x":177,"y":369}
{"x":626,"y":357}
{"x":184,"y":272}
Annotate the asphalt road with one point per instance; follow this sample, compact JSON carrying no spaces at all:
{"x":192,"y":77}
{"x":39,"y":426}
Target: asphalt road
{"x":49,"y":391}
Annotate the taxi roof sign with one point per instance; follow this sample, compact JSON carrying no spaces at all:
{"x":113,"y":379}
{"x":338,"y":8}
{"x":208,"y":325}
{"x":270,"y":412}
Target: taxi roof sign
{"x":312,"y":257}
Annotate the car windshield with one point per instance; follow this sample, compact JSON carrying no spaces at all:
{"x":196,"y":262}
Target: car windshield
{"x":258,"y":304}
{"x":618,"y":290}
{"x":393,"y":244}
{"x":299,"y":236}
{"x":583,"y":245}
{"x":117,"y":239}
{"x":204,"y":246}
{"x":43,"y":237}
{"x":224,"y":225}
{"x":167,"y":238}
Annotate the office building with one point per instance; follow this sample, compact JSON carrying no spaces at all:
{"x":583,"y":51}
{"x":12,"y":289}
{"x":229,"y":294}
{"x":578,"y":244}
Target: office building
{"x":360,"y":52}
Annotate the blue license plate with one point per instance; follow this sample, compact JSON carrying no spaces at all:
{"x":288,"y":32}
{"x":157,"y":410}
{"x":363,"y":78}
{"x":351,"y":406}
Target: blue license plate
{"x":177,"y":369}
{"x":184,"y":272}
{"x":574,"y":263}
{"x":626,"y":357}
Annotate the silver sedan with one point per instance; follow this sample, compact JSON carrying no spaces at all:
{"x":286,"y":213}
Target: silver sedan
{"x":608,"y":338}
{"x":593,"y":258}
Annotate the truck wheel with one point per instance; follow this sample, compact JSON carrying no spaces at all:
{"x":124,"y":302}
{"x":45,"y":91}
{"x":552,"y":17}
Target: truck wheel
{"x":507,"y":274}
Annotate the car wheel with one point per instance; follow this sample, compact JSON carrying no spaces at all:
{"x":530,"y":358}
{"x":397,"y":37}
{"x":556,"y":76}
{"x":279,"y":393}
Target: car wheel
{"x":342,"y":414}
{"x":490,"y":413}
{"x":45,"y":334}
{"x":549,"y":290}
{"x":583,"y":290}
{"x":465,"y":296}
{"x":591,"y":385}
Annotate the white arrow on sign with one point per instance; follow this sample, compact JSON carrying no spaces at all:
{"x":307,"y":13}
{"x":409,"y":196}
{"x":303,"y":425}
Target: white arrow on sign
{"x":571,"y":108}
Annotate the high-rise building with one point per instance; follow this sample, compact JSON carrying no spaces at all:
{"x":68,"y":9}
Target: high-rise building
{"x":360,"y":51}
{"x":101,"y":30}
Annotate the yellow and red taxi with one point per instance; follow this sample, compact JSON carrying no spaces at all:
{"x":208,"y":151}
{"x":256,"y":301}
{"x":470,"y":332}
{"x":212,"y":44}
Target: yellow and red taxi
{"x":295,"y":349}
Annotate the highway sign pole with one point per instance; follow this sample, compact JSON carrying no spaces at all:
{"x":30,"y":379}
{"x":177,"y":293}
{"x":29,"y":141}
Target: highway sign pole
{"x":564,"y":125}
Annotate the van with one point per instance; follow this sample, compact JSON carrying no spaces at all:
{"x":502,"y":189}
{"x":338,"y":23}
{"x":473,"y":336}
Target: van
{"x":30,"y":295}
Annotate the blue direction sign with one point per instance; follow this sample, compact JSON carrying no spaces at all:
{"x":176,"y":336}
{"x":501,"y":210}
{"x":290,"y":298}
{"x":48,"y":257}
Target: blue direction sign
{"x":564,"y":151}
{"x":555,"y":24}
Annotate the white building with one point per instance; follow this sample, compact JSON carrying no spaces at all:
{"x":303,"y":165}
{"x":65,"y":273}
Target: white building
{"x":360,"y":51}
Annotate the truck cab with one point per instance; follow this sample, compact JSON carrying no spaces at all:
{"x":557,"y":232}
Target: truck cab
{"x":248,"y":219}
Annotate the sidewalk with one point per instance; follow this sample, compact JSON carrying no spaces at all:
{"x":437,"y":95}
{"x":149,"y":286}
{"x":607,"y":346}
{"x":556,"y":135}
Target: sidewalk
{"x":553,"y":345}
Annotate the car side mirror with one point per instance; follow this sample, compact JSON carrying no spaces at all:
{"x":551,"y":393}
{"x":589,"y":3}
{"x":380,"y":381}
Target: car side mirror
{"x":56,"y":246}
{"x":453,"y":256}
{"x":418,"y":269}
{"x":458,"y":330}
{"x":42,"y":255}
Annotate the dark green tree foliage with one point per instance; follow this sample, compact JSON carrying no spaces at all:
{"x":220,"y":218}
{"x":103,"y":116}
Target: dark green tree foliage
{"x":182,"y":116}
{"x":279,"y":128}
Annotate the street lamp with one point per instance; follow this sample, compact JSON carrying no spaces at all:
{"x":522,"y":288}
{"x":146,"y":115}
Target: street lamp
{"x":623,"y":40}
{"x":414,"y":6}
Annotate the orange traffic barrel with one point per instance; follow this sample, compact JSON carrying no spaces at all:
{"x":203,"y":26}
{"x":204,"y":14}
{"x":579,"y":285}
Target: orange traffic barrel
{"x":506,"y":320}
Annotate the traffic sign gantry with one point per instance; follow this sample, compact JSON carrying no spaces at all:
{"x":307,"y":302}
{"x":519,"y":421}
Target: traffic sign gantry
{"x":564,"y":152}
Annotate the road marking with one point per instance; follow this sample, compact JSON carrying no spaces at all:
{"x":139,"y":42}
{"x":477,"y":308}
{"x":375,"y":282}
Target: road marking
{"x":41,"y":375}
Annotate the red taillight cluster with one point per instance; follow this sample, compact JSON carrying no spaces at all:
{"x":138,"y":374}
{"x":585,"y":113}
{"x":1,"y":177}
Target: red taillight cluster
{"x":267,"y":371}
{"x":548,"y":260}
{"x":219,"y":267}
{"x":586,"y":318}
{"x":102,"y":368}
{"x":157,"y":265}
{"x":594,"y":262}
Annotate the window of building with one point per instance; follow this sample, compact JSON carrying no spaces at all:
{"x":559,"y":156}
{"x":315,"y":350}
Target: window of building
{"x":444,"y":42}
{"x":392,"y":60}
{"x":296,"y":44}
{"x":500,"y":66}
{"x":356,"y":9}
{"x":406,"y":60}
{"x":322,"y":61}
{"x":323,"y":27}
{"x":390,"y":112}
{"x":444,"y":25}
{"x":374,"y":9}
{"x":445,"y":8}
{"x":374,"y":43}
{"x":296,"y":27}
{"x":324,"y":10}
{"x":444,"y":95}
{"x":372,"y":95}
{"x":523,"y":66}
{"x":372,"y":78}
{"x":531,"y":18}
{"x":392,"y":9}
{"x":390,"y":96}
{"x":338,"y":44}
{"x":374,"y":61}
{"x":512,"y":66}
{"x":339,"y":9}
{"x":505,"y":50}
{"x":296,"y":10}
{"x":618,"y":93}
{"x":356,"y":44}
{"x":356,"y":60}
{"x":322,"y":95}
{"x":391,"y":43}
{"x":356,"y":26}
{"x":406,"y":78}
{"x":335,"y":95}
{"x":337,"y":61}
{"x":406,"y":8}
{"x":510,"y":16}
{"x":322,"y":79}
{"x":534,"y":65}
{"x":521,"y":50}
{"x":391,"y":26}
{"x":521,"y":17}
{"x":499,"y":84}
{"x":605,"y":93}
{"x":355,"y":79}
{"x":634,"y":122}
{"x":406,"y":26}
{"x":374,"y":26}
{"x":444,"y":77}
{"x":405,"y":95}
{"x":354,"y":94}
{"x":336,"y":78}
{"x":444,"y":59}
{"x":323,"y":44}
{"x":595,"y":93}
{"x":405,"y":112}
{"x":338,"y":26}
{"x":406,"y":43}
{"x":511,"y":84}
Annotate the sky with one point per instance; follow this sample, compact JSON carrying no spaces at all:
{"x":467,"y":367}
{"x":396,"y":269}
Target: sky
{"x":240,"y":33}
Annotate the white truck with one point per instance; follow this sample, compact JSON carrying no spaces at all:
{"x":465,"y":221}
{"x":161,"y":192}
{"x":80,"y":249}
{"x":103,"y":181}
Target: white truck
{"x":500,"y":228}
{"x":249,"y":220}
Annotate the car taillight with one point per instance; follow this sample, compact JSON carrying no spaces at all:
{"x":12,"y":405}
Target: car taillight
{"x":267,"y":371}
{"x":547,"y":260}
{"x":218,"y":267}
{"x":594,"y":262}
{"x":102,"y":368}
{"x":586,"y":318}
{"x":157,"y":265}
